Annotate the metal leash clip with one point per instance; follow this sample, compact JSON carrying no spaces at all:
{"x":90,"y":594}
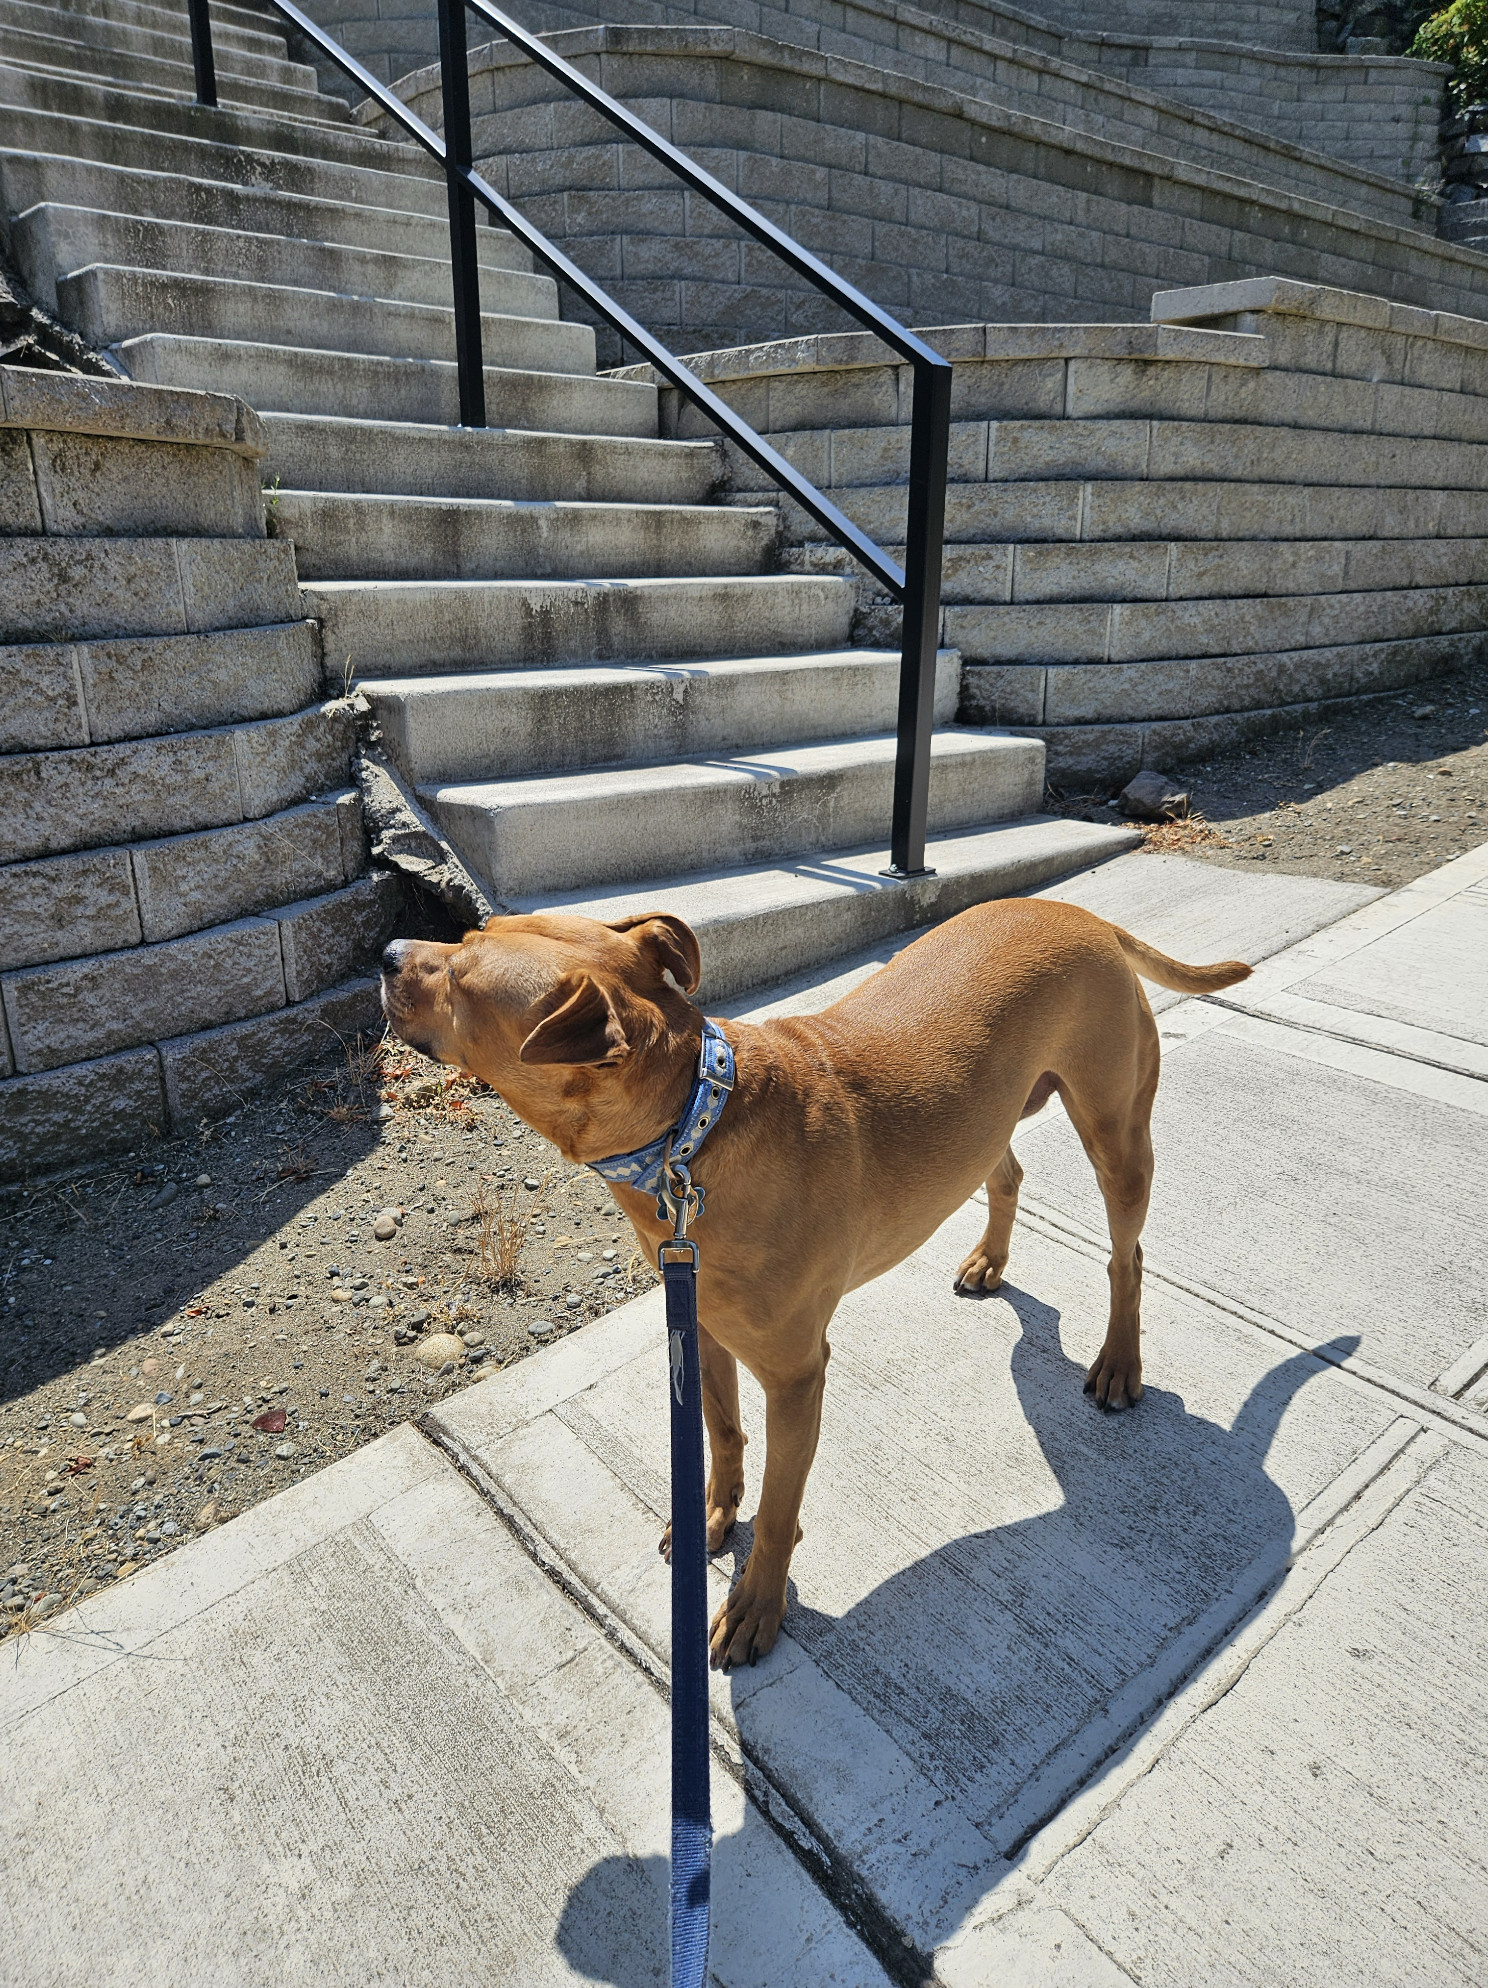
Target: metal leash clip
{"x":678,"y":1201}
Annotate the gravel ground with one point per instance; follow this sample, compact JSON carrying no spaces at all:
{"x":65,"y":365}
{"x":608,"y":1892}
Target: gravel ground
{"x":196,"y":1328}
{"x":193,"y":1329}
{"x":1380,"y":796}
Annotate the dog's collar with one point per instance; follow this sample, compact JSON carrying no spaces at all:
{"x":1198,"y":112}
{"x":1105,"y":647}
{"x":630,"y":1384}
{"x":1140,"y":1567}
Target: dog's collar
{"x":644,"y":1169}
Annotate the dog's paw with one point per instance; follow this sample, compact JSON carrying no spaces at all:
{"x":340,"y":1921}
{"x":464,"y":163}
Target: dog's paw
{"x":745,"y":1627}
{"x":721,"y":1521}
{"x":979,"y":1273}
{"x":1115,"y":1379}
{"x":664,"y":1546}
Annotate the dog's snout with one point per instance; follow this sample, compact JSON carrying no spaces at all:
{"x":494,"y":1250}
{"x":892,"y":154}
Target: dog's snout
{"x":392,"y":954}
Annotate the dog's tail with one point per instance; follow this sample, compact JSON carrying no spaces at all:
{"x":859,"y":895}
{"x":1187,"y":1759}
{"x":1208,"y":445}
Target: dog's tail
{"x":1153,"y":965}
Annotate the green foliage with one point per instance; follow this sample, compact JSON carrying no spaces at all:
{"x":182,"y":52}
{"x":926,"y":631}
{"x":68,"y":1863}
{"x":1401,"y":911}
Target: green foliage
{"x":1459,"y":35}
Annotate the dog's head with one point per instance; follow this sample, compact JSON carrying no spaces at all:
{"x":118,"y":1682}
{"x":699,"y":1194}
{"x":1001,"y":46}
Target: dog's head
{"x":574,"y":1022}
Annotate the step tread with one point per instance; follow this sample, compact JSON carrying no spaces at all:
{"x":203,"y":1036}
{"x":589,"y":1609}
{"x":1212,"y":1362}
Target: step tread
{"x":774,"y":764}
{"x":571,"y":676}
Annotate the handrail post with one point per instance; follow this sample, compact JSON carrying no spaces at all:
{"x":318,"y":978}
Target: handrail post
{"x":929,"y":449}
{"x":454,"y":65}
{"x":201,"y":52}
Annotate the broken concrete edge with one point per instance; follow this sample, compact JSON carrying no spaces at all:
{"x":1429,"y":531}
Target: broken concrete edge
{"x":75,"y":404}
{"x":405,"y":838}
{"x":1290,"y":298}
{"x":963,"y":344}
{"x":31,"y":338}
{"x":64,"y":1121}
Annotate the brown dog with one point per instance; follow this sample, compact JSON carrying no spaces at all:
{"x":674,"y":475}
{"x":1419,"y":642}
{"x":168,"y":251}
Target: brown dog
{"x":850,"y":1136}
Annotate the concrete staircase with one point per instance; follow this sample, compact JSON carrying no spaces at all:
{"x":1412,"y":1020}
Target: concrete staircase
{"x":587,"y":664}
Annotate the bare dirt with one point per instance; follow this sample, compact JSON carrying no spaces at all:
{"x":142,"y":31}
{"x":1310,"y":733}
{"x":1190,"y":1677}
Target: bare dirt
{"x":1380,"y":795}
{"x":160,"y":1315}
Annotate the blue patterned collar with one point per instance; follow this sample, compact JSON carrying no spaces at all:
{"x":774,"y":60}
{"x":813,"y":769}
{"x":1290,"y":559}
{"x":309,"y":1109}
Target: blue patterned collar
{"x":643,"y":1169}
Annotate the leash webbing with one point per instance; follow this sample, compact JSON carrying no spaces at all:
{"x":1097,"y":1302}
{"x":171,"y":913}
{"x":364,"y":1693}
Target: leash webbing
{"x":692,"y":1824}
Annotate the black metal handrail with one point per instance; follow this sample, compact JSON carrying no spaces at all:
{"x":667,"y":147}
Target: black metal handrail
{"x":917,"y":585}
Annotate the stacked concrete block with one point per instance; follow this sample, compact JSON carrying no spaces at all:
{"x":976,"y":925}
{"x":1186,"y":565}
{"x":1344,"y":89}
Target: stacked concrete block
{"x":936,"y":204}
{"x":183,"y":884}
{"x":1165,"y":538}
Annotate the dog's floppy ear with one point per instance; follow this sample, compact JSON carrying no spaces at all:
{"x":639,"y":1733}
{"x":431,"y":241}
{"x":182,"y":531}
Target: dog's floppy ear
{"x":669,"y":943}
{"x":581,"y":1027}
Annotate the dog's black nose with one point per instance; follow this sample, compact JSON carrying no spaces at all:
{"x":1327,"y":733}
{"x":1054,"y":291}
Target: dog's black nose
{"x":392,"y":955}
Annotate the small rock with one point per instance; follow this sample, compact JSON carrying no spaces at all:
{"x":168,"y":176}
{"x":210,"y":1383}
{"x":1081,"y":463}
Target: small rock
{"x":1153,"y":797}
{"x":573,"y":1301}
{"x":78,"y":1421}
{"x":285,"y":1451}
{"x":384,"y":1228}
{"x":166,"y":1195}
{"x":46,"y":1605}
{"x":169,"y":1529}
{"x":204,"y":1180}
{"x":541,"y":1328}
{"x":163,"y":1399}
{"x":384,"y":1112}
{"x":341,"y":1295}
{"x":1424,"y":711}
{"x":610,"y":1255}
{"x":531,"y":1184}
{"x":150,"y":1366}
{"x":437,"y":1348}
{"x":207,"y":1516}
{"x":473,"y":1338}
{"x":142,"y":1412}
{"x":417,"y":1319}
{"x":585,"y":1256}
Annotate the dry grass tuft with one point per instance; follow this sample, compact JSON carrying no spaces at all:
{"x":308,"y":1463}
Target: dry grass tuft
{"x":503,"y":1217}
{"x":1167,"y":837}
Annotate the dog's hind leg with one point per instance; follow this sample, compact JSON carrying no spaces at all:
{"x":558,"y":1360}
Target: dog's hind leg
{"x":1116,"y":1134}
{"x":982,"y":1270}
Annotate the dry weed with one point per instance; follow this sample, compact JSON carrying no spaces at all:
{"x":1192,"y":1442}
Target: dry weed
{"x":503,"y":1216}
{"x":1166,"y":837}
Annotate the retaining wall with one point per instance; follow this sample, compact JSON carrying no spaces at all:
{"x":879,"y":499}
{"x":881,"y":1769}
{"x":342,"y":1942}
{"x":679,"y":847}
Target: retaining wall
{"x":937,"y":205}
{"x":1163,"y":538}
{"x":185,"y":909}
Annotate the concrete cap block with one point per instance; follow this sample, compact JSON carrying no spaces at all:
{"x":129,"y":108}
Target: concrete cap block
{"x":120,"y":408}
{"x":83,"y":1109}
{"x":20,"y":505}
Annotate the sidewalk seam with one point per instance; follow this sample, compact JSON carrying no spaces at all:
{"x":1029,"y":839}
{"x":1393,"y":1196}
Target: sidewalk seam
{"x":839,"y":1884}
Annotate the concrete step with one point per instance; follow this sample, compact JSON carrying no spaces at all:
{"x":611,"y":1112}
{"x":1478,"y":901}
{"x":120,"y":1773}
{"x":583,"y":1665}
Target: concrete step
{"x":49,"y":242}
{"x":369,"y":387}
{"x":1073,"y":510}
{"x":517,"y":722}
{"x":620,"y":824}
{"x":60,"y":694}
{"x":166,"y":38}
{"x":77,"y":589}
{"x":434,"y":538}
{"x":757,"y":925}
{"x":53,"y":802}
{"x":1138,"y":631}
{"x":1191,"y":705}
{"x":101,"y":900}
{"x":417,"y":459}
{"x":27,"y":179}
{"x":48,"y":112}
{"x":416,"y":627}
{"x":77,"y":1009}
{"x":108,"y":304}
{"x":230,"y":25}
{"x":295,"y":96}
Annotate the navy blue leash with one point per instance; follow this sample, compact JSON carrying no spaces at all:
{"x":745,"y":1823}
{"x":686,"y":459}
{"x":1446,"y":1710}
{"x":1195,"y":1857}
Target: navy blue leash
{"x":692,"y":1821}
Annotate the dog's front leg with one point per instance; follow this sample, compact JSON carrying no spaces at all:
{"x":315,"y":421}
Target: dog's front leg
{"x":745,"y":1627}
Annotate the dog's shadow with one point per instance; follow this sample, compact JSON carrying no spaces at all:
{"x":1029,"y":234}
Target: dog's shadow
{"x":981,"y":1658}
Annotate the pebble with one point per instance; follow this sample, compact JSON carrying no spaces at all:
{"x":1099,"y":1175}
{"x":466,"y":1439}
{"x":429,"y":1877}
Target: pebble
{"x":573,"y":1301}
{"x":473,"y":1338}
{"x":207,"y":1516}
{"x":204,"y":1180}
{"x":531,"y":1184}
{"x":341,"y":1295}
{"x":286,"y":1450}
{"x":541,"y":1328}
{"x":384,"y":1228}
{"x":383,"y":1113}
{"x":610,"y":1255}
{"x":78,"y":1421}
{"x":418,"y":1318}
{"x":437,"y":1348}
{"x":46,"y":1605}
{"x":142,"y":1412}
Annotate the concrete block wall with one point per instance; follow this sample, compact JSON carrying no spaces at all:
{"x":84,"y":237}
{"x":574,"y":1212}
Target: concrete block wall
{"x":1377,"y":115}
{"x":185,"y":906}
{"x":1162,"y":538}
{"x":939,"y":206}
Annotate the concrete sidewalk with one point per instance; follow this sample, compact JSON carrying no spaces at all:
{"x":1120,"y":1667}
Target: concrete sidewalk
{"x":1179,"y":1696}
